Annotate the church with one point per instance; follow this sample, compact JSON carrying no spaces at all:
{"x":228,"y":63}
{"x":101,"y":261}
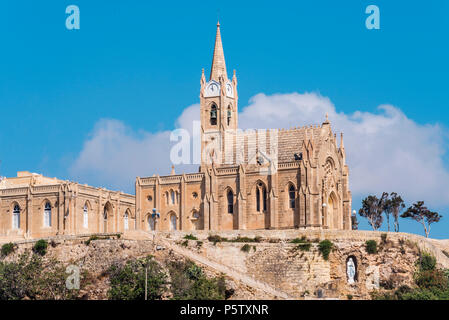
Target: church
{"x":253,"y":179}
{"x":247,"y":180}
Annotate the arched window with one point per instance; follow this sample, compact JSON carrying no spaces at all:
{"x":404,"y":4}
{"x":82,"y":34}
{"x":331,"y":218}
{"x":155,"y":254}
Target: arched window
{"x":229,"y":114}
{"x":261,"y":197}
{"x":291,"y":196}
{"x":213,"y":115}
{"x":230,"y":202}
{"x":264,"y":199}
{"x":105,"y":219}
{"x":85,"y":217}
{"x":173,"y":222}
{"x":125,"y":221}
{"x":16,"y":217}
{"x":257,"y":199}
{"x":172,"y":195}
{"x":47,"y":215}
{"x":151,"y":223}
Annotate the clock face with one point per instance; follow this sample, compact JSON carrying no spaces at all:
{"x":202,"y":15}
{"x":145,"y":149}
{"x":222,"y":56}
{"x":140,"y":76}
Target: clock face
{"x":229,"y":90}
{"x":212,"y":89}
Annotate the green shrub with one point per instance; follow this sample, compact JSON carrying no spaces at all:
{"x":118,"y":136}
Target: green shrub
{"x":304,"y":246}
{"x":303,"y":239}
{"x":91,"y":238}
{"x":25,"y":278}
{"x":371,"y":246}
{"x":188,"y":282}
{"x":127,"y":282}
{"x":325,"y":248}
{"x":190,"y":237}
{"x":349,"y":296}
{"x":185,"y":243}
{"x":245,"y":248}
{"x":430,"y":284}
{"x":432,"y":279}
{"x":7,"y":248}
{"x":427,"y":262}
{"x":216,"y":238}
{"x":302,"y":243}
{"x":246,"y":239}
{"x":40,"y":247}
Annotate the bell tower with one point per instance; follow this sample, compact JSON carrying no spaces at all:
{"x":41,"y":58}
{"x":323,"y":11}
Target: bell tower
{"x":219,"y":111}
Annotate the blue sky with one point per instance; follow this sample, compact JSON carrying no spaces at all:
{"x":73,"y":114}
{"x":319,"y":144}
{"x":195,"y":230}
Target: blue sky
{"x":140,"y":63}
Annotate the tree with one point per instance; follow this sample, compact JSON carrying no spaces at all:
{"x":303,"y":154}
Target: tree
{"x":372,"y":208}
{"x":127,"y":282}
{"x":421,"y":214}
{"x":394,"y":206}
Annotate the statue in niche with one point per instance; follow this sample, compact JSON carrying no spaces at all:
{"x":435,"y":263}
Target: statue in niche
{"x":350,"y":270}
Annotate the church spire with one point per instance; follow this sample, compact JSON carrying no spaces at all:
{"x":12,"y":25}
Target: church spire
{"x":218,"y":62}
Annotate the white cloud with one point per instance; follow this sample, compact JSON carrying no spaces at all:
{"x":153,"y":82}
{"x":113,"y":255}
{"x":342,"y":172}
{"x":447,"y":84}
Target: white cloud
{"x":114,"y":155}
{"x":386,"y":151}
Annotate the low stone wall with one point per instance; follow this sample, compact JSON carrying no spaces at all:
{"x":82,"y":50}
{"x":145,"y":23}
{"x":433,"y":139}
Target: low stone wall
{"x":306,"y":274}
{"x":335,"y":235}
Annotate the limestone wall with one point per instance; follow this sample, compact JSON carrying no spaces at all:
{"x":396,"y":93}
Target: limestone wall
{"x":277,"y":262}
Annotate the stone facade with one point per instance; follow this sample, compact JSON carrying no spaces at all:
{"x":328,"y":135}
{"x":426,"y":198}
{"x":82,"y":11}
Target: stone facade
{"x":247,"y":180}
{"x":256,"y":179}
{"x":33,"y":206}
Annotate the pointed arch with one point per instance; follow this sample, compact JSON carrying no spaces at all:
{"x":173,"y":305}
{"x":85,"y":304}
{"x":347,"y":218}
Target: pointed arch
{"x":332,"y":211}
{"x":151,"y":222}
{"x":47,"y":214}
{"x":261,"y":196}
{"x":172,"y":197}
{"x":173,"y":221}
{"x":230,"y":200}
{"x":291,"y":195}
{"x":213,"y":114}
{"x":86,"y":209}
{"x":107,"y":215}
{"x":126,"y":217}
{"x":16,"y":215}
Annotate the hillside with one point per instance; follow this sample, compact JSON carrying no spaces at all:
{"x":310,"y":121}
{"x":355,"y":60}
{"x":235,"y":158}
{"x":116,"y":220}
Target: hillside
{"x":266,"y":264}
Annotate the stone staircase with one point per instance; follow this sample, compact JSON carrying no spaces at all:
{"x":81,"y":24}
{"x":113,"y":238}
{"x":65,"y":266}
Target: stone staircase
{"x":232,"y":273}
{"x":249,"y":281}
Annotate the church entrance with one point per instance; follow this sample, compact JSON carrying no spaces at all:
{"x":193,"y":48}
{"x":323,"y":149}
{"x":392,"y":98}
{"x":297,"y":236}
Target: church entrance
{"x":173,"y":221}
{"x":332,"y":212}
